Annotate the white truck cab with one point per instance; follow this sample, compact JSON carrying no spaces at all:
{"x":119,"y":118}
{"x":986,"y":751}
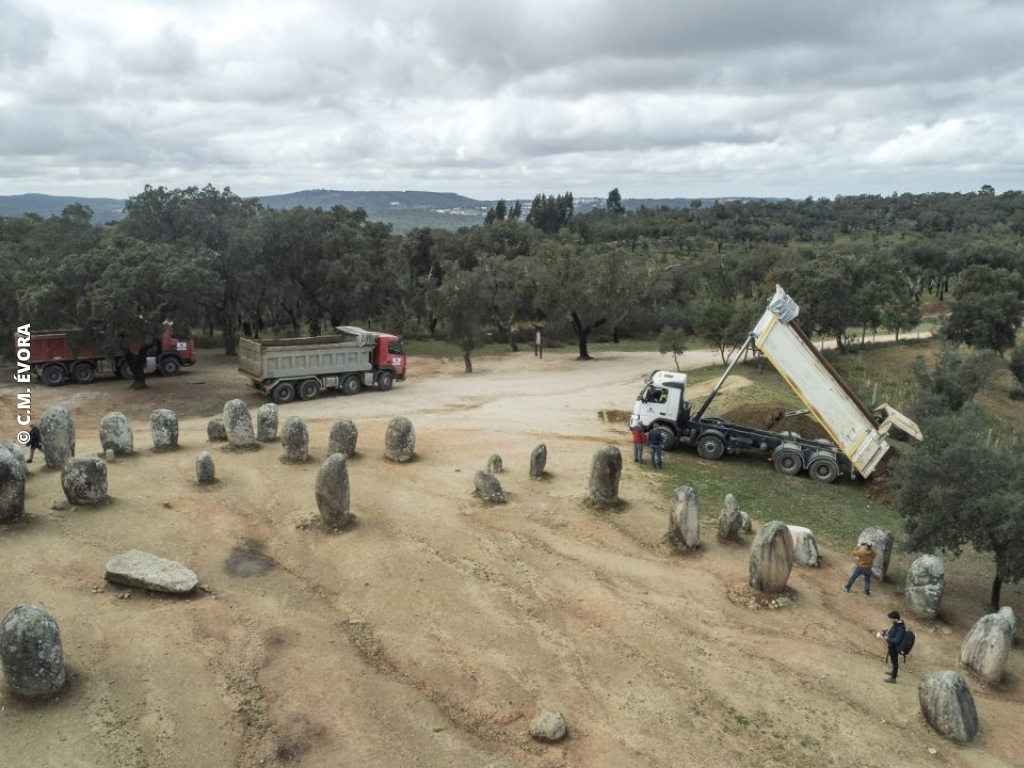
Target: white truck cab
{"x":662,"y":399}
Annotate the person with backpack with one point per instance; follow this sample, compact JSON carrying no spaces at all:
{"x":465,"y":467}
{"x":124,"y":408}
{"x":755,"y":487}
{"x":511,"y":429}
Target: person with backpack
{"x":638,"y":441}
{"x":35,"y":442}
{"x":894,"y":637}
{"x":865,"y":555}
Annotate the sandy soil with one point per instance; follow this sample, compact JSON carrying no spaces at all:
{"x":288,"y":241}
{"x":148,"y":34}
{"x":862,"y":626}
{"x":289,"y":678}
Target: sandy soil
{"x":432,"y":632}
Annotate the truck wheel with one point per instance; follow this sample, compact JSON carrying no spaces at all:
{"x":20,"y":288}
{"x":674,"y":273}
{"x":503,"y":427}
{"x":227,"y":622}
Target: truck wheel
{"x":668,"y":437}
{"x":824,"y":470}
{"x":124,"y":371}
{"x":283,"y":392}
{"x":54,"y":375}
{"x":351,"y":386}
{"x":309,"y":389}
{"x":170,"y":366}
{"x":384,"y":381}
{"x":83,"y":373}
{"x":710,"y":447}
{"x":788,"y":462}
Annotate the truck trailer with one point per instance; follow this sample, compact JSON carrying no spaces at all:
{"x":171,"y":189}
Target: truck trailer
{"x":349,"y":360}
{"x":56,"y":357}
{"x":858,"y":436}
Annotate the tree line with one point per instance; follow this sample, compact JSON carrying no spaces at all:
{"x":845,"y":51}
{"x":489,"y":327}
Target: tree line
{"x":209,"y":259}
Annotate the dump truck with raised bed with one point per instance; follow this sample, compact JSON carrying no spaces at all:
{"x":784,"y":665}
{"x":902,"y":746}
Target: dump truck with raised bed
{"x":58,"y":356}
{"x":349,"y":360}
{"x":858,"y":435}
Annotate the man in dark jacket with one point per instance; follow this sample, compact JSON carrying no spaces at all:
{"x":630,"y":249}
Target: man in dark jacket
{"x":655,"y":439}
{"x":35,"y":441}
{"x":894,"y":637}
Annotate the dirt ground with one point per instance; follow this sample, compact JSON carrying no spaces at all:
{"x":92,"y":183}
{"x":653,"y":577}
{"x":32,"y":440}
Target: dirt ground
{"x":432,"y":632}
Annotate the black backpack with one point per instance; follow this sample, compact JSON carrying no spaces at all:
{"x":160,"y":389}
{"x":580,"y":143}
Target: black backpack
{"x":908,"y":643}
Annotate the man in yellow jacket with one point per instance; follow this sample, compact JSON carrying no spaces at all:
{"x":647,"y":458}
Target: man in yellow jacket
{"x":865,"y":555}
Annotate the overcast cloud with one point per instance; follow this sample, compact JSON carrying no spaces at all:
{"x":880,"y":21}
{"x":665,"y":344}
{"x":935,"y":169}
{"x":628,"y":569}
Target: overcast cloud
{"x":661,"y":98}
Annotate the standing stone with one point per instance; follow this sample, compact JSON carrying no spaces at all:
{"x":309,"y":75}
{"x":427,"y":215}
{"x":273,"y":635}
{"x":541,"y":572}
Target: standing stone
{"x":489,"y":488}
{"x":538,"y":460}
{"x":771,"y":558}
{"x":343,"y":437}
{"x":31,"y":653}
{"x":332,"y":492}
{"x":729,"y":521}
{"x":926,"y":580}
{"x":12,"y":487}
{"x":116,"y":434}
{"x":605,"y":473}
{"x":141,"y":569}
{"x":684,"y":519}
{"x":881,"y":541}
{"x":295,"y":441}
{"x":84,"y":480}
{"x":238,"y":424}
{"x":205,"y":468}
{"x":548,"y":726}
{"x":163,"y":426}
{"x":57,"y":431}
{"x":399,"y":440}
{"x":494,"y":465}
{"x":16,"y":450}
{"x":746,"y":524}
{"x":948,"y":706}
{"x":215,"y":431}
{"x":805,"y":546}
{"x":987,"y":645}
{"x":266,"y":422}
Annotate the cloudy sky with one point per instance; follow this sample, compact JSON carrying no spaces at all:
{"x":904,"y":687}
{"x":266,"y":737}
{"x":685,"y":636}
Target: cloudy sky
{"x":658,"y":98}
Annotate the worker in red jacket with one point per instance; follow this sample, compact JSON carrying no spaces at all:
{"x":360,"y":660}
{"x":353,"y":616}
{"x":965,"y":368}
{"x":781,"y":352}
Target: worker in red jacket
{"x":639,"y":436}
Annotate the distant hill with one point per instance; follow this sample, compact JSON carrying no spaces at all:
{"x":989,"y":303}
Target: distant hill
{"x":104,"y":209}
{"x":403,"y":210}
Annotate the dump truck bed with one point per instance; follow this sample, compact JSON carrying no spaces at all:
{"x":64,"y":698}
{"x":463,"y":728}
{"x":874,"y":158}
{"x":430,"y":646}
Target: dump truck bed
{"x":854,"y":429}
{"x":303,"y":357}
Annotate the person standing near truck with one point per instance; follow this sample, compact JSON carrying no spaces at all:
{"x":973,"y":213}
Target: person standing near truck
{"x":638,"y":442}
{"x":655,"y":439}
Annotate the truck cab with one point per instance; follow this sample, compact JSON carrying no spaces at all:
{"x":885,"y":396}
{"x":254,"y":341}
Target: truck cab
{"x":390,"y":354}
{"x":662,"y":403}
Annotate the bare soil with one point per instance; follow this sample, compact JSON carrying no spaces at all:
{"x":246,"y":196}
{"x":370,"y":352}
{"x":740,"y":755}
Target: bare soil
{"x":430,"y":633}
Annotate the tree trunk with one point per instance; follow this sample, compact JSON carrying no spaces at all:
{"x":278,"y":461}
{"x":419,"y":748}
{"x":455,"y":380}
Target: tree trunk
{"x":997,"y":588}
{"x":137,"y":365}
{"x":582,"y":339}
{"x":839,"y":344}
{"x":230,"y":338}
{"x":615,"y":334}
{"x":582,"y":332}
{"x":897,"y":334}
{"x":432,"y":325}
{"x":468,"y":362}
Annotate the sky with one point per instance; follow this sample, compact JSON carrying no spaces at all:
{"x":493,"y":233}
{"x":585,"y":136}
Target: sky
{"x":663,"y":98}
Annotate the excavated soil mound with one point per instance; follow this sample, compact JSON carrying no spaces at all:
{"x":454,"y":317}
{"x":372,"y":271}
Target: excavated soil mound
{"x":770,"y":416}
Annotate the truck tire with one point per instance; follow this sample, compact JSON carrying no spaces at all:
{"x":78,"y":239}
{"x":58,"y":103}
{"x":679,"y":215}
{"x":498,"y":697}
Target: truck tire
{"x":788,"y":462}
{"x":170,"y":366}
{"x":309,"y":389}
{"x":54,"y":375}
{"x":385,"y":380}
{"x":710,"y":447}
{"x":351,"y":386}
{"x":824,"y":470}
{"x":124,"y":370}
{"x":668,"y":437}
{"x":283,"y":392}
{"x":83,"y":373}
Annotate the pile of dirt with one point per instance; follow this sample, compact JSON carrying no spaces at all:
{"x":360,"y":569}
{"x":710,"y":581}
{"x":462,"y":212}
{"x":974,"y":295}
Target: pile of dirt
{"x":771,"y":417}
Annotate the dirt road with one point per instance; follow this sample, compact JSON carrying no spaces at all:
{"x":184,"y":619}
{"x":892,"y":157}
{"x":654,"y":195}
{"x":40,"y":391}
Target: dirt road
{"x":431,"y":633}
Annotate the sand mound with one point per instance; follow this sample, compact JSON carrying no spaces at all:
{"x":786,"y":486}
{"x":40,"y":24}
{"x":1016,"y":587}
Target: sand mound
{"x":771,"y":416}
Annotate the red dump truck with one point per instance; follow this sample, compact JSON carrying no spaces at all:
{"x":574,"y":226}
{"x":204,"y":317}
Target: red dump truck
{"x":351,"y":359}
{"x":56,"y":357}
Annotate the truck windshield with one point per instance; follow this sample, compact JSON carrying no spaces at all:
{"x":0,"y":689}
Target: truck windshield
{"x":395,"y":348}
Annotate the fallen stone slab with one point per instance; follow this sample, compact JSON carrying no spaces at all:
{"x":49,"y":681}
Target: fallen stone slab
{"x":141,"y":569}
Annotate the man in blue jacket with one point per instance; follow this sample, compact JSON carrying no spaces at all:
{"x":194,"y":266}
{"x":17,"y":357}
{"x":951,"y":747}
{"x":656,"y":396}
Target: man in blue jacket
{"x":894,"y":637}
